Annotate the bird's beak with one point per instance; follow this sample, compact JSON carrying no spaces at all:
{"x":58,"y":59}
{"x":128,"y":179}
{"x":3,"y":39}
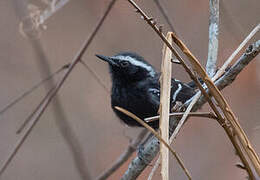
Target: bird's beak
{"x":107,"y":59}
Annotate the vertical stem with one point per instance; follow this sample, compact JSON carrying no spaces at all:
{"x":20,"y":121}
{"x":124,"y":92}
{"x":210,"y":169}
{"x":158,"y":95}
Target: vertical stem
{"x":165,"y":81}
{"x":213,"y":37}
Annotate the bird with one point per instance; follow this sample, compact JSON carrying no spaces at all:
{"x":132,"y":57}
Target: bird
{"x":136,"y":88}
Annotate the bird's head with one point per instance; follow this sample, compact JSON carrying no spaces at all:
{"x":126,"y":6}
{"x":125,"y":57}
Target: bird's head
{"x":128,"y":67}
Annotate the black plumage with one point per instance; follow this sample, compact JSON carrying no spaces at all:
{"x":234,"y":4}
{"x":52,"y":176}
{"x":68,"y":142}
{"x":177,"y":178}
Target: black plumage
{"x":136,"y":87}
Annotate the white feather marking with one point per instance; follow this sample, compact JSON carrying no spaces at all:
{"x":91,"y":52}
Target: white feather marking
{"x":176,"y":92}
{"x":154,"y":91}
{"x":137,"y":63}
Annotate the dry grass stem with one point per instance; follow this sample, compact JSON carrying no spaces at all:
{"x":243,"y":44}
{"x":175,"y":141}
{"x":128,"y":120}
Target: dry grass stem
{"x":180,"y":114}
{"x":152,"y":148}
{"x":164,"y":110}
{"x":157,"y":135}
{"x":222,"y":103}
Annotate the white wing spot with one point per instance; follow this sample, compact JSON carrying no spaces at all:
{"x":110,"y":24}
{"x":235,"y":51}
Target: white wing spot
{"x":137,"y":63}
{"x":176,"y":92}
{"x":154,"y":91}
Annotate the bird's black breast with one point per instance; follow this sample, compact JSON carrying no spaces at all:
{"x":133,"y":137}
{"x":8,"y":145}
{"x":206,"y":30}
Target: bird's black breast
{"x":135,"y":98}
{"x":143,"y":98}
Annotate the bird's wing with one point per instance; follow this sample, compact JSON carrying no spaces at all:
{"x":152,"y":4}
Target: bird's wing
{"x":180,"y":91}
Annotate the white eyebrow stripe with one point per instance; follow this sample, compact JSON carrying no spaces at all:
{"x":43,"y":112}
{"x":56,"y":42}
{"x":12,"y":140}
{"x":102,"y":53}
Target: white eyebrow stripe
{"x":176,"y":92}
{"x":137,"y":63}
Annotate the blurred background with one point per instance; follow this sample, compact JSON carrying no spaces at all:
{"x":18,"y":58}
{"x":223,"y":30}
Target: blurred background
{"x":27,"y":57}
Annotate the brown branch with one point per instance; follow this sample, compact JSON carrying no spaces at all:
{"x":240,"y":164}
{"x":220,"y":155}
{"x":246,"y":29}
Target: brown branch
{"x":156,"y":135}
{"x":57,"y":88}
{"x":225,"y":108}
{"x":201,"y":72}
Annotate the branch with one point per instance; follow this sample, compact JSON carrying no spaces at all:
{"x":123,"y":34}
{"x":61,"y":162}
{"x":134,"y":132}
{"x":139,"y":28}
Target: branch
{"x":233,"y":55}
{"x":180,"y":114}
{"x":157,"y":135}
{"x":74,"y":62}
{"x":165,"y":14}
{"x":152,"y":148}
{"x":235,"y":130}
{"x":213,"y":37}
{"x":33,"y":88}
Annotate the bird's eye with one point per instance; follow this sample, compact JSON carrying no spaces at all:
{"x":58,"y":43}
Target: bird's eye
{"x":124,"y":63}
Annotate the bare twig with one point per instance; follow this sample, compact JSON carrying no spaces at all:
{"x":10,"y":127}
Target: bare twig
{"x":165,"y":14}
{"x":155,"y":166}
{"x":225,"y":108}
{"x":27,"y":120}
{"x":213,"y":37}
{"x":164,"y":110}
{"x":233,"y":55}
{"x":35,"y":24}
{"x":24,"y":136}
{"x":174,"y":51}
{"x":152,"y":148}
{"x":124,"y":156}
{"x":157,"y":135}
{"x":29,"y":91}
{"x":183,"y":119}
{"x":59,"y":85}
{"x":95,"y":76}
{"x":180,"y":114}
{"x":251,"y":52}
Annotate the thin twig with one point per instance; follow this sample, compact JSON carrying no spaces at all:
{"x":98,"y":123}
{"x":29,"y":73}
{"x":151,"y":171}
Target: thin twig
{"x":27,"y":120}
{"x":213,"y":37}
{"x":165,"y":14}
{"x":29,"y":91}
{"x":151,"y":150}
{"x":174,"y":51}
{"x":183,"y":119}
{"x":124,"y":156}
{"x":180,"y":114}
{"x":23,"y":138}
{"x":155,"y":166}
{"x":59,"y":85}
{"x":95,"y":76}
{"x":157,"y":135}
{"x":233,"y":55}
{"x":251,"y":52}
{"x":214,"y":91}
{"x":224,"y":107}
{"x":69,"y":136}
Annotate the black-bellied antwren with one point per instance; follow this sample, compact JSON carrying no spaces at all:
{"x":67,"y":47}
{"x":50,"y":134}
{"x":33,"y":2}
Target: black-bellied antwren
{"x":136,"y":87}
